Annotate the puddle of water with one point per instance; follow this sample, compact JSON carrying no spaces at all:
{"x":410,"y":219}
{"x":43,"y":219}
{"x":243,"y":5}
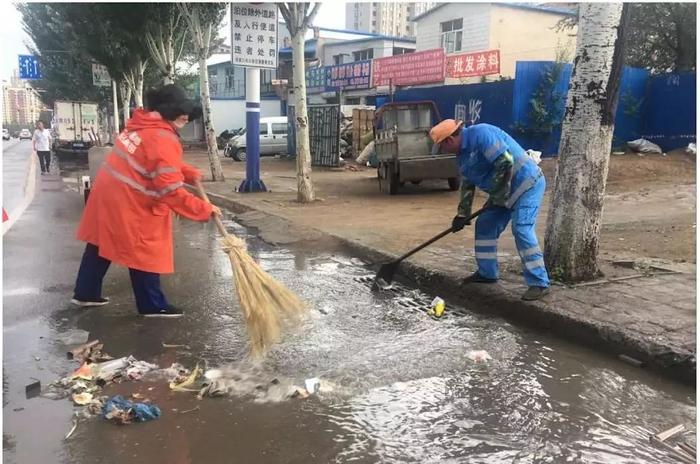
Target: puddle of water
{"x":400,"y":387}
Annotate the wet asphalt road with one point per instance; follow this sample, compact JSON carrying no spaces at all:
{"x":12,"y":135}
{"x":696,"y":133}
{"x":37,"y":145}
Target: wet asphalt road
{"x":398,"y":386}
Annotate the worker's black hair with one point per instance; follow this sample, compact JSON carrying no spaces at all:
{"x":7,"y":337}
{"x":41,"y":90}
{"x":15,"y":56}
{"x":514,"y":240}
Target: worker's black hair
{"x":171,"y":102}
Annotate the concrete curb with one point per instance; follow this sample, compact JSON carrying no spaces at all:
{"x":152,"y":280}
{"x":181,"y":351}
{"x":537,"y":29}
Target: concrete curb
{"x":504,"y":300}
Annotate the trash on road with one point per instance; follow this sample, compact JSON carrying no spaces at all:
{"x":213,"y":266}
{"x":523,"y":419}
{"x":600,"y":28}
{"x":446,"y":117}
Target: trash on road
{"x":187,"y":383}
{"x":437,"y":307}
{"x":137,"y":369}
{"x":312,"y":385}
{"x":81,"y":399}
{"x":691,"y":149}
{"x":73,"y":337}
{"x":645,"y":146}
{"x":75,"y":426}
{"x":122,"y":411}
{"x":479,"y":356}
{"x":168,"y":345}
{"x":33,"y":389}
{"x":91,"y":351}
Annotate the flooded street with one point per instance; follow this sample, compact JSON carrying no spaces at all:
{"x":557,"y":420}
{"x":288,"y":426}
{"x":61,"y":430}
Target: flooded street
{"x":396,"y":384}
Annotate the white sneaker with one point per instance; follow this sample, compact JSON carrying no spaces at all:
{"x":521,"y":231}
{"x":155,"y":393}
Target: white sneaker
{"x":89,"y":303}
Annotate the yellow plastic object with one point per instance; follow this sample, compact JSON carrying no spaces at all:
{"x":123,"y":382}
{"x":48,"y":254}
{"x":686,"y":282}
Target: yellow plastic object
{"x":188,"y":382}
{"x":437,"y":307}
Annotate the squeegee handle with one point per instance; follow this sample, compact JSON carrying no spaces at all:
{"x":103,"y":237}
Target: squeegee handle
{"x":217,"y":220}
{"x":436,"y":238}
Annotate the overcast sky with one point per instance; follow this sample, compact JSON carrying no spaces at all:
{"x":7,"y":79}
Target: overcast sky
{"x":12,"y":37}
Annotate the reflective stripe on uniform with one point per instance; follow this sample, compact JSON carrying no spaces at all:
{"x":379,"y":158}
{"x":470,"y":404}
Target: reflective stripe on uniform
{"x":491,"y":151}
{"x":485,"y":255}
{"x":522,"y":188}
{"x":534,"y":264}
{"x":520,"y":163}
{"x":138,"y":187}
{"x":485,"y":243}
{"x":140,"y":169}
{"x":530,"y":251}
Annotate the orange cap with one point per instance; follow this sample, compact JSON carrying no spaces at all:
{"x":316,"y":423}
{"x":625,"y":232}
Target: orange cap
{"x":444,"y":129}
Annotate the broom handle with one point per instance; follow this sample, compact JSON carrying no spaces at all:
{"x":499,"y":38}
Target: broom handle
{"x":203,"y":195}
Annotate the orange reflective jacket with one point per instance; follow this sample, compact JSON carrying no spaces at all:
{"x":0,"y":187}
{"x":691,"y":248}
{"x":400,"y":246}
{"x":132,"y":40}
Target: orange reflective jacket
{"x":128,"y":213}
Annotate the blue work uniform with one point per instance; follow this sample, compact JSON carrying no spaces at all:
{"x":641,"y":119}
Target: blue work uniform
{"x":490,"y":159}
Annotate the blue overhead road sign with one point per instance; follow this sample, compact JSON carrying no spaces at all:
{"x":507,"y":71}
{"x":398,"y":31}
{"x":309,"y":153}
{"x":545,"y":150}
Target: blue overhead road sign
{"x":29,"y":67}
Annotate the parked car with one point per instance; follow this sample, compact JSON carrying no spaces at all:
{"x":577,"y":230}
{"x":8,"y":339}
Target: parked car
{"x":225,"y":136}
{"x":25,"y":134}
{"x":273,"y":139}
{"x":5,"y":134}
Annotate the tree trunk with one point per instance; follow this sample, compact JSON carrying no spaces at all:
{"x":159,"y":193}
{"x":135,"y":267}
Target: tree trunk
{"x":305,"y":188}
{"x":575,"y":214}
{"x":125,"y":91}
{"x":138,"y":93}
{"x":217,"y":173}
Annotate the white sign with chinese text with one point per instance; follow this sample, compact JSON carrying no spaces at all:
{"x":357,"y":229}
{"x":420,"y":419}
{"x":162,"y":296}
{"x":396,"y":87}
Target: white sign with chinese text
{"x":100,"y":76}
{"x":254,"y":35}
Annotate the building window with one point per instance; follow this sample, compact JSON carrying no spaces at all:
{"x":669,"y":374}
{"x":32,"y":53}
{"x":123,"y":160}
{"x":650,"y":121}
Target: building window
{"x":230,"y":77}
{"x":367,"y":54}
{"x":452,"y":35}
{"x":338,"y":59}
{"x":402,"y":51}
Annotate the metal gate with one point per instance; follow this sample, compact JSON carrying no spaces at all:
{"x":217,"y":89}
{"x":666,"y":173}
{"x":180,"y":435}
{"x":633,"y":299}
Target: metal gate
{"x":324,"y":134}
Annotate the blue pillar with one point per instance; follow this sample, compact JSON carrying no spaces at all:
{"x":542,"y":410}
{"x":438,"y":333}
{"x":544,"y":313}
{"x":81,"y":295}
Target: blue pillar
{"x":252,"y":182}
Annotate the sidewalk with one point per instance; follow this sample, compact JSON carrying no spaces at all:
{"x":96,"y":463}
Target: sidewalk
{"x":648,"y":315}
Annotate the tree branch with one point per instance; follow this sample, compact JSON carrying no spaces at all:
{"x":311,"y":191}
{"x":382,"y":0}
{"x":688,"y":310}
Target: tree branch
{"x":310,"y":19}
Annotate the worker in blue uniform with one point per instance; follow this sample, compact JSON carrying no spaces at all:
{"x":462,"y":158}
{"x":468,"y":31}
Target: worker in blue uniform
{"x":490,"y":159}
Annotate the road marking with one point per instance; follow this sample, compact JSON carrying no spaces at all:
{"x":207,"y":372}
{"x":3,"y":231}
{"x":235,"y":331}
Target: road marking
{"x":29,"y":191}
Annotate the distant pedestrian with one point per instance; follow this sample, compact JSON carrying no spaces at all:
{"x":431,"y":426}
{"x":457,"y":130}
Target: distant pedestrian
{"x":128,"y":215}
{"x":492,"y":160}
{"x":41,"y":144}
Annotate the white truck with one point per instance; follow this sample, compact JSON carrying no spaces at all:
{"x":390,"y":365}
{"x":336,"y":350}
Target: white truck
{"x":73,"y":126}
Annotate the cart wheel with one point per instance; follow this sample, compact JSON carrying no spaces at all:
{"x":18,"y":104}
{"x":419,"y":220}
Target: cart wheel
{"x":453,"y":182}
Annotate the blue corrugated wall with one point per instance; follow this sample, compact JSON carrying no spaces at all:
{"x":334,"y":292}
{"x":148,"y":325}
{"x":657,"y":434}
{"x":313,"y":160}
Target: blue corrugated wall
{"x":495,"y":98}
{"x":658,"y":108}
{"x":670,"y":116}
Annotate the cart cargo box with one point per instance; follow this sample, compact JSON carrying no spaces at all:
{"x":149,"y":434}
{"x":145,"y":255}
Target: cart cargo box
{"x":403,"y":145}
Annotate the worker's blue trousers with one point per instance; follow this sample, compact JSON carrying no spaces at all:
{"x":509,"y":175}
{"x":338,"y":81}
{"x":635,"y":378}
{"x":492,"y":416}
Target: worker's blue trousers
{"x":146,"y":285}
{"x":493,"y":221}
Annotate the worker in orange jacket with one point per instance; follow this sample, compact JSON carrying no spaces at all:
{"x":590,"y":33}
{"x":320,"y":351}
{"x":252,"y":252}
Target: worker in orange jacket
{"x":128,"y":215}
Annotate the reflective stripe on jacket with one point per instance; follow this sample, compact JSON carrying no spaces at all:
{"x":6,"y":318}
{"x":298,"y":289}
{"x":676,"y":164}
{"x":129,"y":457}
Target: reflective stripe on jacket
{"x":481,"y":145}
{"x":128,"y":213}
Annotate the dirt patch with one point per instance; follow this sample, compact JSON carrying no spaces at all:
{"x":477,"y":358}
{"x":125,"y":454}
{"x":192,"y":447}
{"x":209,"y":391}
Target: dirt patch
{"x":649,"y":210}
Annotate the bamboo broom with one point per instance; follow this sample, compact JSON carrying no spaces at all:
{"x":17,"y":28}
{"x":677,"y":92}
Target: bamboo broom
{"x":265,"y":302}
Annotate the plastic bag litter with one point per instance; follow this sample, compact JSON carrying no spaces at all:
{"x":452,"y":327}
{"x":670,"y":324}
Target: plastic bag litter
{"x":535,"y":155}
{"x":691,"y":149}
{"x":122,"y":411}
{"x":73,"y":337}
{"x":312,"y":385}
{"x":479,"y":356}
{"x":645,"y":146}
{"x":137,"y":369}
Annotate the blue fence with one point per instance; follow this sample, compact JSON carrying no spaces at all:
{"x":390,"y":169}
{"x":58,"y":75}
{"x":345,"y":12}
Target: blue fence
{"x":488,"y":102}
{"x":670,"y":113}
{"x":658,"y":108}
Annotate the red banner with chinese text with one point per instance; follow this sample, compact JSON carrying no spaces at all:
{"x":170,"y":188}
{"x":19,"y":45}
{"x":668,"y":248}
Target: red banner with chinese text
{"x":410,"y":68}
{"x":473,"y":64}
